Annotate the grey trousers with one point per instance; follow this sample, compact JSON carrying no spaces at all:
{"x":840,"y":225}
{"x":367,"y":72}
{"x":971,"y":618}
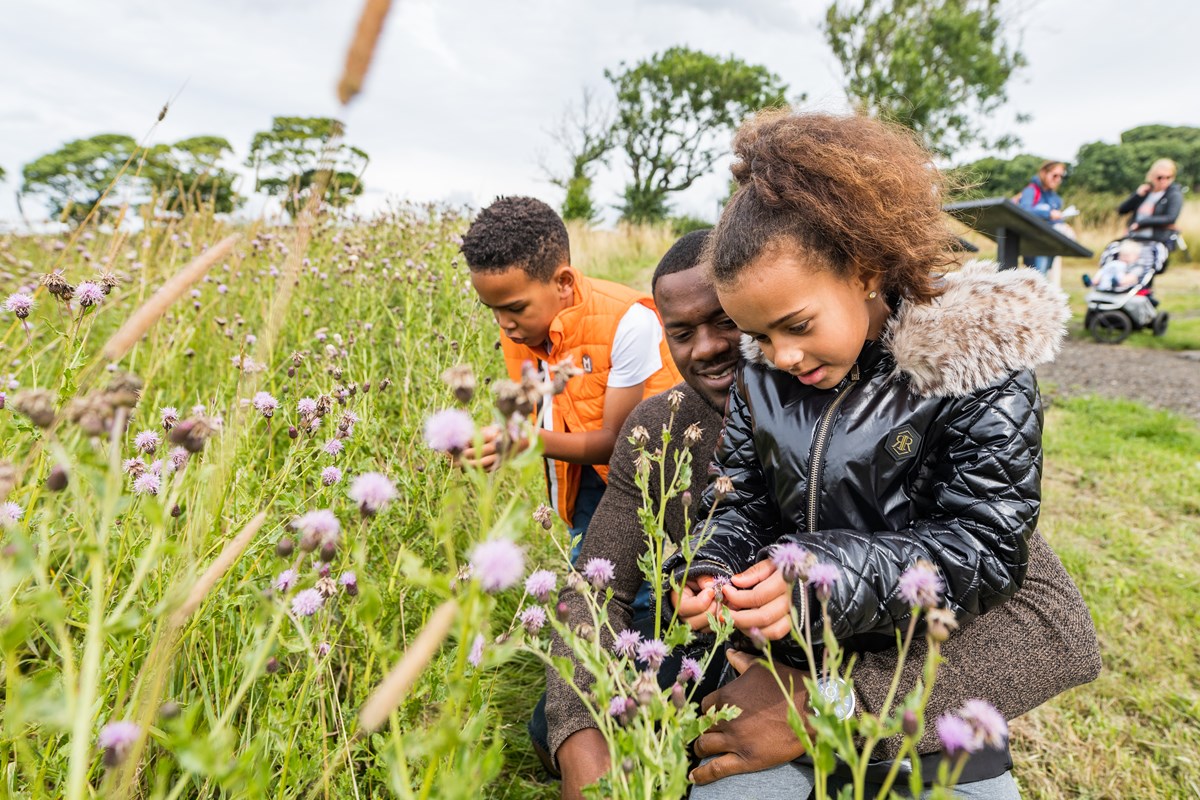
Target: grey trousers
{"x":792,"y":780}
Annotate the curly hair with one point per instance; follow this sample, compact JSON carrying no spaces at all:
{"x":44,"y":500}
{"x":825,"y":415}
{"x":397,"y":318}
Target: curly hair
{"x":859,"y":196}
{"x":517,"y":232}
{"x":683,"y":255}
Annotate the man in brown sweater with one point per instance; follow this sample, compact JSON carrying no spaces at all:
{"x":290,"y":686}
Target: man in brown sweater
{"x":1017,"y":656}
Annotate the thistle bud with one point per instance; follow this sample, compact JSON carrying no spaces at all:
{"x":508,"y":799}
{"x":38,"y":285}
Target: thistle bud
{"x":285,"y":547}
{"x":57,"y":480}
{"x":176,"y":511}
{"x":292,"y":432}
{"x":168,"y":710}
{"x":909,"y":723}
{"x":273,"y":665}
{"x":562,"y":612}
{"x":291,"y":372}
{"x":328,"y":550}
{"x":686,"y":499}
{"x":678,"y":696}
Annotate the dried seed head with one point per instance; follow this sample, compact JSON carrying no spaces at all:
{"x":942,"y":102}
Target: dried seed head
{"x":693,"y":434}
{"x":8,"y":478}
{"x":674,"y":400}
{"x":37,"y":405}
{"x":58,"y":286}
{"x":639,"y":436}
{"x":124,"y":389}
{"x":722,"y":487}
{"x":461,"y":380}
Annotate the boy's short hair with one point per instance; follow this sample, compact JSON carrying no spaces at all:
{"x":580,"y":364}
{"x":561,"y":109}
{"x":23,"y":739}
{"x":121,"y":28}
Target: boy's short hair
{"x":683,"y":255}
{"x":519,"y":232}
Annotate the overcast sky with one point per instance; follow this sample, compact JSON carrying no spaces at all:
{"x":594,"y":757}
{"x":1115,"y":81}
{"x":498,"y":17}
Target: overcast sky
{"x":462,"y":92}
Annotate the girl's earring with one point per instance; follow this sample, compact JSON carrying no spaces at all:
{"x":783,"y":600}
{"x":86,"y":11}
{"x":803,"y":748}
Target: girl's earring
{"x":872,"y":295}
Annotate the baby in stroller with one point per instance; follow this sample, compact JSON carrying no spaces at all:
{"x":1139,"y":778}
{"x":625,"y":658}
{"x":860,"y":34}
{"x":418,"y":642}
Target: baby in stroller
{"x":1122,"y":300}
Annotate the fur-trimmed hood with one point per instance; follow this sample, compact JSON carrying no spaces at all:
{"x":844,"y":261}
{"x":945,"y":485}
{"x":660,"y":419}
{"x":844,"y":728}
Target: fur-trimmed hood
{"x":987,"y":323}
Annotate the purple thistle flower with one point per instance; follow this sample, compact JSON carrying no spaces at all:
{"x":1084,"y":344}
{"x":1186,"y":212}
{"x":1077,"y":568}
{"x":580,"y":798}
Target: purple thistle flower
{"x":791,"y":560}
{"x":989,"y":725}
{"x":689,"y":670}
{"x":372,"y":491}
{"x":156,"y":467}
{"x":20,"y":304}
{"x":265,"y":404}
{"x":599,"y":572}
{"x":330,"y":476}
{"x":333,"y":447}
{"x":322,"y":524}
{"x":617,"y":706}
{"x":89,"y":294}
{"x":498,"y":564}
{"x":147,"y":441}
{"x":133,"y":466}
{"x":307,"y":603}
{"x":533,"y":618}
{"x":652,"y":651}
{"x":822,"y":577}
{"x":307,"y":407}
{"x":475,"y":657}
{"x":920,"y":585}
{"x":540,"y":584}
{"x":758,"y":638}
{"x":10,"y":514}
{"x":956,"y":734}
{"x":116,"y":738}
{"x":286,"y":580}
{"x":147,"y":483}
{"x":349,"y":582}
{"x":449,"y":431}
{"x":323,"y":650}
{"x":178,"y":457}
{"x":169,"y":416}
{"x":626,"y":643}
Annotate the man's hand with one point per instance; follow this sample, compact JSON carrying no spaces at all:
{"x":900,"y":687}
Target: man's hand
{"x":489,"y":455}
{"x":697,"y":601}
{"x":583,"y":758}
{"x":761,"y":598}
{"x":759,"y":738}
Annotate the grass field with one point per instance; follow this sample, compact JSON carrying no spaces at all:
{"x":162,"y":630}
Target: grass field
{"x":92,"y":574}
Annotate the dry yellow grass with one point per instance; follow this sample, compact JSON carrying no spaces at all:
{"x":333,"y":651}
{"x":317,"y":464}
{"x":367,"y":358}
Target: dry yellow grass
{"x":626,"y":254}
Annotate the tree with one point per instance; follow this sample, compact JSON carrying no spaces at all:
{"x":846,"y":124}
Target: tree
{"x":996,"y":177}
{"x":187,"y":175}
{"x":673,"y":114}
{"x":74,"y":177}
{"x":289,"y":158}
{"x":2,"y":173}
{"x":938,"y":67}
{"x":585,"y":135}
{"x":1120,"y":168}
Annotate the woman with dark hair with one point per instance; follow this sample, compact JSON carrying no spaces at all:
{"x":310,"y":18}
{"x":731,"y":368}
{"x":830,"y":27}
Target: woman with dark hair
{"x":1154,"y":206}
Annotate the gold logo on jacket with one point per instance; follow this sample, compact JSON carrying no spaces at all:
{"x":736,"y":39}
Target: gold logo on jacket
{"x":903,"y":442}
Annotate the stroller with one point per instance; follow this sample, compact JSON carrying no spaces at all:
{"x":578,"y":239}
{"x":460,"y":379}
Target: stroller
{"x":1122,"y":300}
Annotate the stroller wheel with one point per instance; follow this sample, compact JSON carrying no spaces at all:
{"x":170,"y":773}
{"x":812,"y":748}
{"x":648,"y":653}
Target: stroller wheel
{"x":1110,"y":327}
{"x":1159,"y":325}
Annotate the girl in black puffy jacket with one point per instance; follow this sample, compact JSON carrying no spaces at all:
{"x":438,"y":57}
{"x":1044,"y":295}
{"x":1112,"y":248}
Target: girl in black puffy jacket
{"x":887,"y":412}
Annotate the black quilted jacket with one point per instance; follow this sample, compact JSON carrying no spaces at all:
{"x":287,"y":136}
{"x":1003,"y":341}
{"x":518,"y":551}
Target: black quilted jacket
{"x":930,"y":449}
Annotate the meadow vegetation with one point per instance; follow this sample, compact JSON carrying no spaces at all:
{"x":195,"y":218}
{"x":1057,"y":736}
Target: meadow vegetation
{"x":111,"y":609}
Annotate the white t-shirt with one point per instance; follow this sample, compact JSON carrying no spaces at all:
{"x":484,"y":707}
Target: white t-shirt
{"x":635,"y":353}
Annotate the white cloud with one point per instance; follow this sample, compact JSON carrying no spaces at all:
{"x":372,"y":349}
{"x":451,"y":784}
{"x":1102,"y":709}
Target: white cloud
{"x":462,"y":91}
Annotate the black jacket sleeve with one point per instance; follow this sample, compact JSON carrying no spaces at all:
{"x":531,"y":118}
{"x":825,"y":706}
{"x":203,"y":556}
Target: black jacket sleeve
{"x":746,"y":519}
{"x":1173,"y":204}
{"x":1130,"y":204}
{"x":975,"y":530}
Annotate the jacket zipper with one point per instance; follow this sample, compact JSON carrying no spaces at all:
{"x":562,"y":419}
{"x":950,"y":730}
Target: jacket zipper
{"x":818,"y":453}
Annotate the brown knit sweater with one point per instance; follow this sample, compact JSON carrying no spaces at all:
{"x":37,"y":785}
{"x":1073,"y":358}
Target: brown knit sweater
{"x":1037,"y":645}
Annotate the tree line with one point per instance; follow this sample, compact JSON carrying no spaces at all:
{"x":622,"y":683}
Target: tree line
{"x":103,"y":172}
{"x":939,"y":67}
{"x":1098,"y":167}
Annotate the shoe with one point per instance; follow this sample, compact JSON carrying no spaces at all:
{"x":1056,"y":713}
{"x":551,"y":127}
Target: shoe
{"x":1087,"y":280}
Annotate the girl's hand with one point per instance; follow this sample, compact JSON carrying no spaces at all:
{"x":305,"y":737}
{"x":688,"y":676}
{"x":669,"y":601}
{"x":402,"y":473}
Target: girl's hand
{"x":1144,"y":189}
{"x":698,"y":600}
{"x":761,"y":598}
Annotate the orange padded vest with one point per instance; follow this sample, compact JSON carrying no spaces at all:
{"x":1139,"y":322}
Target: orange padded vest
{"x":585,"y":332}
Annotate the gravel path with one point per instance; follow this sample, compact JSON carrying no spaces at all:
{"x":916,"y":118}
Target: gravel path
{"x":1158,"y":378}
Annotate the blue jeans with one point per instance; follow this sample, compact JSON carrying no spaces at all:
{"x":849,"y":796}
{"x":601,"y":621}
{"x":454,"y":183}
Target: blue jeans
{"x":794,"y":780}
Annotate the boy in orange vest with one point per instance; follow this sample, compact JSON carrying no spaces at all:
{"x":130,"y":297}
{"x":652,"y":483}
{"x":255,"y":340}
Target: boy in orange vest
{"x":520,"y":261}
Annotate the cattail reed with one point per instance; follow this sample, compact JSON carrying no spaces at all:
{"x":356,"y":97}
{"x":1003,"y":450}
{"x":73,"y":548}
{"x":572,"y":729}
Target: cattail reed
{"x":156,"y":306}
{"x":391,"y":690}
{"x":358,"y":57}
{"x":229,"y":554}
